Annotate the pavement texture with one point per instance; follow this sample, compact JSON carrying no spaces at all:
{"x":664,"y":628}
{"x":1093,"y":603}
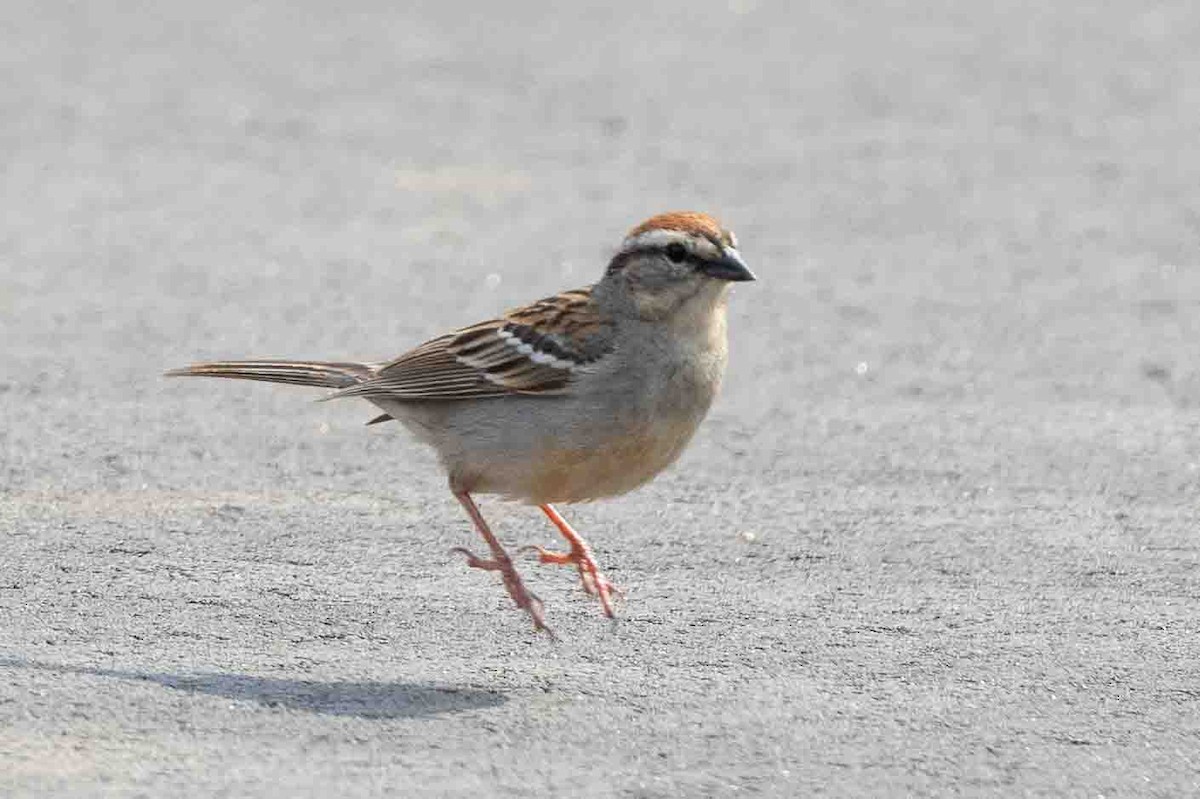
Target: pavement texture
{"x":939,"y":537}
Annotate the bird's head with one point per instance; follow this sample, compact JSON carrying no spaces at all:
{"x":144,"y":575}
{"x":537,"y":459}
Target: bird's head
{"x":673,"y":262}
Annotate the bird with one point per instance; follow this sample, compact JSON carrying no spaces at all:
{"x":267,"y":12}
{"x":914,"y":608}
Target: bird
{"x":584,"y":395}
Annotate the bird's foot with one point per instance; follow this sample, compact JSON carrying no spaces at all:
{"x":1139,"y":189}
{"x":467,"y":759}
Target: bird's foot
{"x":590,"y":577}
{"x":525,"y":599}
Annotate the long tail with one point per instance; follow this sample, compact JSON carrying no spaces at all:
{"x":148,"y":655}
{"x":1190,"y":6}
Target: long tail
{"x":300,"y":373}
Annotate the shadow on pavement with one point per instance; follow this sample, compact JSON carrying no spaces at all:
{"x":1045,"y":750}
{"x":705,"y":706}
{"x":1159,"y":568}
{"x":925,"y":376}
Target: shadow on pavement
{"x":370,"y":700}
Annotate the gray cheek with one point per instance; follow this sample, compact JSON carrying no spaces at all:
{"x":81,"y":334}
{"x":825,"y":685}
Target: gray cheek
{"x":655,"y":305}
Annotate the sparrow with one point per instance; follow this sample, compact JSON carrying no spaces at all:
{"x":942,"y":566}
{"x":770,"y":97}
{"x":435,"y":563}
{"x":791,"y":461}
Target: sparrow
{"x":583,"y":395}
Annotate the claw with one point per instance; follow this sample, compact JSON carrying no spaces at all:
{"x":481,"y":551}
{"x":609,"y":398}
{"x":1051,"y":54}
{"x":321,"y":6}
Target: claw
{"x":476,"y":562}
{"x":591,"y":579}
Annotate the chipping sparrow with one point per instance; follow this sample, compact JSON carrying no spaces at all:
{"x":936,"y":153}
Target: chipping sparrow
{"x":586,"y":394}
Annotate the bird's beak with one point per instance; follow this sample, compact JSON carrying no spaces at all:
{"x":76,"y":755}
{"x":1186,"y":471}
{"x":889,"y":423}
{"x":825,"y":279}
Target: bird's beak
{"x":729,"y":266}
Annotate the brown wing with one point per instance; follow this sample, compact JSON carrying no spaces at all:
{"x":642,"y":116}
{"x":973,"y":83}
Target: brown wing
{"x":530,"y":350}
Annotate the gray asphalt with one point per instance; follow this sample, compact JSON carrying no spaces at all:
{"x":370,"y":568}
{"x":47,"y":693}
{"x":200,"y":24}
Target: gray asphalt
{"x":939,"y":537}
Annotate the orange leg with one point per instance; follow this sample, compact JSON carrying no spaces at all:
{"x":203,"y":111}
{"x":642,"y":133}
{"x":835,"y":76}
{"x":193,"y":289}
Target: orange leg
{"x":581,"y":557}
{"x":501,"y":562}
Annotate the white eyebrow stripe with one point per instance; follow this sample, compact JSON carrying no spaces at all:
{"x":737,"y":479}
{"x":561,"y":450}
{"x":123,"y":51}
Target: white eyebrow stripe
{"x":657,"y":238}
{"x":663,"y":236}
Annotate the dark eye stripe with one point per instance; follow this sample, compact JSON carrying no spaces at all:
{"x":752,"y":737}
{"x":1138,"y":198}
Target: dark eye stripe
{"x":621,"y":259}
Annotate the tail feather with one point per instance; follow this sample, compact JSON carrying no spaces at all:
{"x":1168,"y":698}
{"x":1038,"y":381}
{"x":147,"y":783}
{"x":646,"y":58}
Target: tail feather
{"x":325,"y":374}
{"x":381,"y":418}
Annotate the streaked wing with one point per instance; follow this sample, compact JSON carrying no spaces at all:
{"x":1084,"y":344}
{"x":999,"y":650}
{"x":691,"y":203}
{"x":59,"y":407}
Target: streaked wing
{"x":530,"y":350}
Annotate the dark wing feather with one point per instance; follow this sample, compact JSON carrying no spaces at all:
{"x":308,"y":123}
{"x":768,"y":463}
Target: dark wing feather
{"x":530,"y":350}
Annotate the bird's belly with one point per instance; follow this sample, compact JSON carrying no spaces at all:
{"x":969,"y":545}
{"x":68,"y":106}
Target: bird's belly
{"x":616,"y":466}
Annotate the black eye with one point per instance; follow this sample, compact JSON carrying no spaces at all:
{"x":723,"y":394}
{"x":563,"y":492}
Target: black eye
{"x":676,"y":252}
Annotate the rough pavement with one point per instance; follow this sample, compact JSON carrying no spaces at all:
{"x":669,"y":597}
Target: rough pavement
{"x":939,"y":537}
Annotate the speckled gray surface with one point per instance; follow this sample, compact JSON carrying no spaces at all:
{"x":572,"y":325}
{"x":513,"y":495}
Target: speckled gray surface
{"x":939,"y":537}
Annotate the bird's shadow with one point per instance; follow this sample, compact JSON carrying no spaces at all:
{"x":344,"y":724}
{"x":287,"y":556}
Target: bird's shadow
{"x":368,"y":700}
